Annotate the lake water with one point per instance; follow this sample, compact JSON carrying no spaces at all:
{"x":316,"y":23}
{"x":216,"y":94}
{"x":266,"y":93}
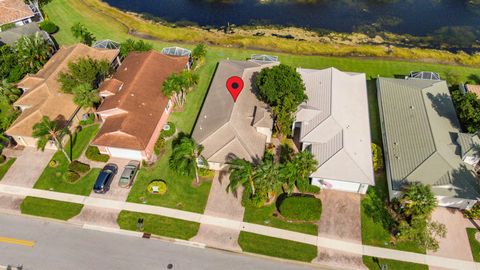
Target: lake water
{"x":420,"y":17}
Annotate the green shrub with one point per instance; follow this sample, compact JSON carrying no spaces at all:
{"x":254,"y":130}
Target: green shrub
{"x":2,"y":159}
{"x":7,"y":26}
{"x":90,"y":120}
{"x":305,"y":187}
{"x":169,"y":132}
{"x":72,"y":177}
{"x":473,"y":213}
{"x":78,"y":167}
{"x":301,"y":208}
{"x":92,"y":153}
{"x":159,"y":146}
{"x":377,"y":156}
{"x":48,"y":27}
{"x":160,"y":184}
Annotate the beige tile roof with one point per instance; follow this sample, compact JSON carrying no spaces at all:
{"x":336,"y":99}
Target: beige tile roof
{"x":43,"y":96}
{"x":13,"y":10}
{"x":140,"y":100}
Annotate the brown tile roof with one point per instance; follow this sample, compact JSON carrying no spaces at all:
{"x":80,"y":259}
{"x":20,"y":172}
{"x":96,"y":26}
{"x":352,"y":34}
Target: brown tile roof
{"x":13,"y":10}
{"x":474,"y":89}
{"x":43,"y":96}
{"x":111,"y":86}
{"x":140,"y":102}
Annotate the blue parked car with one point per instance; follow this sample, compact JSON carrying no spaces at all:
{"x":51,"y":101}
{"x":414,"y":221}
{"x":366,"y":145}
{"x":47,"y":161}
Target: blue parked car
{"x":105,"y":178}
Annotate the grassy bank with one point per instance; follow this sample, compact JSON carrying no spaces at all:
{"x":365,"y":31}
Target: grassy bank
{"x":474,"y":244}
{"x":4,"y":167}
{"x":125,"y":22}
{"x":158,"y":225}
{"x":275,"y":247}
{"x":50,"y":208}
{"x":376,"y":263}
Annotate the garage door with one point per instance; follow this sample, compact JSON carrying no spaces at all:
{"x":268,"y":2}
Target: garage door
{"x":125,"y":153}
{"x":336,"y":185}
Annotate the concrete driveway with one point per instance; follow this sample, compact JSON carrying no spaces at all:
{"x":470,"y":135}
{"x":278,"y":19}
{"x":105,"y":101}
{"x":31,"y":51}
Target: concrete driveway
{"x":116,"y":192}
{"x":221,"y":204}
{"x":455,"y":244}
{"x":28,"y":167}
{"x":340,"y":220}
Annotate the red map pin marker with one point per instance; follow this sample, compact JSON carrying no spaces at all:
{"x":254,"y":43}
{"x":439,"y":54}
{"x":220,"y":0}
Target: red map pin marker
{"x":234,"y":86}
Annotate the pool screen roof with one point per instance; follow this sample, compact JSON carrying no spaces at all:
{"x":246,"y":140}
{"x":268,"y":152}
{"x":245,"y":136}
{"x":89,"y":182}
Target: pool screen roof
{"x":176,"y":51}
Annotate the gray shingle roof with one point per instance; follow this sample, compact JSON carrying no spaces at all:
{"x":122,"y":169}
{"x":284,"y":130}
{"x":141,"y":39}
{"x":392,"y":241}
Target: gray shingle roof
{"x":224,"y":127}
{"x":420,"y":129}
{"x":335,"y":124}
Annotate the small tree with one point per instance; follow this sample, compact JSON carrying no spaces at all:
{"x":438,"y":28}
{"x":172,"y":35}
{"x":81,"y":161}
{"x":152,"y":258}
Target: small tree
{"x":85,"y":70}
{"x":185,"y":156}
{"x":47,"y":130}
{"x":422,"y":231}
{"x":85,"y":96}
{"x":131,"y":45}
{"x":81,"y":32}
{"x":199,"y":52}
{"x":306,"y":164}
{"x":178,"y":85}
{"x":9,"y":91}
{"x":282,"y":88}
{"x":32,"y":52}
{"x":468,"y":109}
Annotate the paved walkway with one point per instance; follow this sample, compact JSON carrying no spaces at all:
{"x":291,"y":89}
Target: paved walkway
{"x":28,"y":167}
{"x":224,"y":205}
{"x":321,"y":242}
{"x":340,"y":220}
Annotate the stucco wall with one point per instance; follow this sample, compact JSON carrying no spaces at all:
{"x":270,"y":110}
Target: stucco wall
{"x":156,"y":134}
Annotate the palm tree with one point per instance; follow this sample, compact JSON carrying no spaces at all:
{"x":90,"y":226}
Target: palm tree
{"x":79,"y":31}
{"x":241,"y":172}
{"x":268,"y":177}
{"x":9,"y":91}
{"x":305,"y":164}
{"x":289,"y":175}
{"x":186,"y":156}
{"x":172,"y":88}
{"x":418,"y":200}
{"x":32,"y":52}
{"x":85,"y":96}
{"x":47,"y":130}
{"x":199,"y":52}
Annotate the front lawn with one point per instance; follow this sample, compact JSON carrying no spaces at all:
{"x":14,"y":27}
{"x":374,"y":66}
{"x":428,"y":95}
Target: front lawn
{"x":275,"y":247}
{"x":268,"y":216}
{"x":181,"y":194}
{"x":376,"y":264}
{"x":474,"y":244}
{"x":52,"y":178}
{"x":50,"y":208}
{"x":5,"y":166}
{"x":158,"y":225}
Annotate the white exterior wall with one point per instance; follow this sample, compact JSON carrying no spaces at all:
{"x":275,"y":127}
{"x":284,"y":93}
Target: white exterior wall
{"x":32,"y":142}
{"x":471,"y":160}
{"x":216,"y":166}
{"x":455,"y":202}
{"x":265,"y":131}
{"x":340,"y":185}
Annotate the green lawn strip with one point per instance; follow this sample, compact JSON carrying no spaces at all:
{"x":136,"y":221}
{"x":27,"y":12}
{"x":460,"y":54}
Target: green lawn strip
{"x":372,"y":264}
{"x":4,"y":167}
{"x":50,"y":208}
{"x":265,"y":216}
{"x":275,"y":247}
{"x":474,"y":244}
{"x":52,"y":178}
{"x":158,"y":225}
{"x":181,"y":194}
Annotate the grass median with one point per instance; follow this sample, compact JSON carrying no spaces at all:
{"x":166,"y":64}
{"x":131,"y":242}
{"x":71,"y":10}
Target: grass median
{"x":275,"y":247}
{"x":50,"y":208}
{"x":474,"y":244}
{"x":158,"y":225}
{"x":4,"y":167}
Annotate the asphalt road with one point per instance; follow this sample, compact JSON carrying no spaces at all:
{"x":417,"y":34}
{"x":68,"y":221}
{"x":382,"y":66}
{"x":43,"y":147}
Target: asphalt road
{"x":64,"y":246}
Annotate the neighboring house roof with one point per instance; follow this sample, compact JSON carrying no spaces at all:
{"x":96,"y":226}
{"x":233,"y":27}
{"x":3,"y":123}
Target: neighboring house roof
{"x":474,"y":89}
{"x":137,"y":103}
{"x":228,"y":129}
{"x":335,"y":124}
{"x":42,"y":95}
{"x":469,"y":144}
{"x":11,"y":36}
{"x":14,"y":10}
{"x":420,"y":129}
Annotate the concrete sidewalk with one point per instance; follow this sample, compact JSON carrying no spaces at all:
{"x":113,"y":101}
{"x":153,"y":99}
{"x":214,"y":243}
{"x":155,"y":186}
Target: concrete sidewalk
{"x":321,"y":242}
